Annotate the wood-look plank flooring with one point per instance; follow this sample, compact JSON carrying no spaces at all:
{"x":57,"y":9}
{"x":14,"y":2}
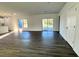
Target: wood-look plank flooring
{"x":35,"y":44}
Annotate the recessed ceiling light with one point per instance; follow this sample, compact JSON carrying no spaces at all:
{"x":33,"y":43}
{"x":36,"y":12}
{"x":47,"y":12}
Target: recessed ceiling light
{"x":14,"y":13}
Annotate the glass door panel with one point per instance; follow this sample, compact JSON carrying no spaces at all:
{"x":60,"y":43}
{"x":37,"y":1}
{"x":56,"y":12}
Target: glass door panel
{"x":50,"y":24}
{"x":45,"y":25}
{"x":20,"y":23}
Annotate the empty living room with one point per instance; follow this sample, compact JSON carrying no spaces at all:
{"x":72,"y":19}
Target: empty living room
{"x":39,"y":29}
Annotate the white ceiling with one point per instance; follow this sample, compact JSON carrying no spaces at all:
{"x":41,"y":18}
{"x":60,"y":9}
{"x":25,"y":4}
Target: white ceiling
{"x":32,"y":7}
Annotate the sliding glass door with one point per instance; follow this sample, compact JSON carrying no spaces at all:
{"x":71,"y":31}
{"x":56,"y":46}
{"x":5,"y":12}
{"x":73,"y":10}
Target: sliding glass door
{"x":20,"y":23}
{"x":47,"y":24}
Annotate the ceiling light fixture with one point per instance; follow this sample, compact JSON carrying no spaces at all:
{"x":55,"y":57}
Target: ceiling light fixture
{"x":14,"y":13}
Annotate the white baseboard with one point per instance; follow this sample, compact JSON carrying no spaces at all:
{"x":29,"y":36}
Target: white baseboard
{"x":2,"y":36}
{"x":33,"y":29}
{"x":36,"y":29}
{"x":76,"y":51}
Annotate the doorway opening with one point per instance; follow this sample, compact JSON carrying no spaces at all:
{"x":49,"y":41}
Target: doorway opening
{"x":47,"y":24}
{"x":22,"y":24}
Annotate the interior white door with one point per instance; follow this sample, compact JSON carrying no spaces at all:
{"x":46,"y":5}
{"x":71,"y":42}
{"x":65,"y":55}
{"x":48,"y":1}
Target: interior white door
{"x":76,"y":41}
{"x":71,"y":22}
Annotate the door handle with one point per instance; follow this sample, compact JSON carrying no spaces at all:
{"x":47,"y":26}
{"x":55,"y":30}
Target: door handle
{"x":74,"y":26}
{"x":66,"y":27}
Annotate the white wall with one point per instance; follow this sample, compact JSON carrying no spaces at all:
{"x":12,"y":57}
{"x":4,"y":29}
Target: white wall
{"x":35,"y":21}
{"x":70,"y":10}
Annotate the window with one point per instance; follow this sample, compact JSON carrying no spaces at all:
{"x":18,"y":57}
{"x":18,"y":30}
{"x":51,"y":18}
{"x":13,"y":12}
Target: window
{"x":25,"y":25}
